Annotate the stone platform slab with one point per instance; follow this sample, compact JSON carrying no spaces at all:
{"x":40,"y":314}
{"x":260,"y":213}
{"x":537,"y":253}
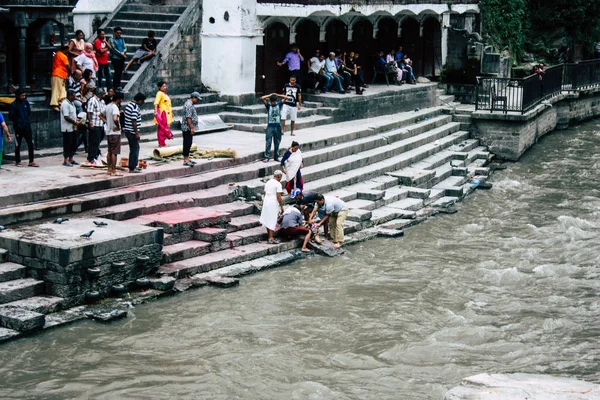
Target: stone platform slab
{"x":62,"y":244}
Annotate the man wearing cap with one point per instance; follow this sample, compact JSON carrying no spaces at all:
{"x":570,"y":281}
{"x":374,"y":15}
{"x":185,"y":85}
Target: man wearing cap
{"x":96,"y":121}
{"x":131,"y":125}
{"x":336,"y":212}
{"x":68,"y":127}
{"x":189,"y":124}
{"x":272,"y":205}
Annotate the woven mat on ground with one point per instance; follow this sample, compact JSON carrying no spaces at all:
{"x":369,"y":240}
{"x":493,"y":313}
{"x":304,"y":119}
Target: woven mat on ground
{"x":194,"y":154}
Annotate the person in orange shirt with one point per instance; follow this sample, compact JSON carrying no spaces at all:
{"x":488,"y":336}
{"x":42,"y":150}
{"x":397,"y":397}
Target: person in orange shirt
{"x":60,"y":73}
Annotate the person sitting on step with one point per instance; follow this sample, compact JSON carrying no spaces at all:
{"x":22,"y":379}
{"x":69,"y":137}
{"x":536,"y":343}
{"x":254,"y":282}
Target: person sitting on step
{"x":146,"y":51}
{"x":291,"y":224}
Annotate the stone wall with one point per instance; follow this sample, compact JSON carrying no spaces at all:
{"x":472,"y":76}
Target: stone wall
{"x":510,"y":135}
{"x":178,"y":59}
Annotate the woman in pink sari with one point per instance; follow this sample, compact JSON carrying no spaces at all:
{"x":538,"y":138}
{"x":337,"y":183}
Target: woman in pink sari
{"x":163,"y":114}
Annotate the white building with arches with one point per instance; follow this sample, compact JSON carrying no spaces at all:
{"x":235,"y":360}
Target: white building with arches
{"x":243,"y":39}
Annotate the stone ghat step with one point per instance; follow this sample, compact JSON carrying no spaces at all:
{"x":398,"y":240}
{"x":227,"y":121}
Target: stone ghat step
{"x":10,"y":271}
{"x":319,"y":170}
{"x":150,"y":9}
{"x":306,"y":122}
{"x":155,"y":16}
{"x":20,"y":289}
{"x":196,"y":180}
{"x":140,"y":24}
{"x":40,"y":304}
{"x":261,"y":119}
{"x":219,"y":259}
{"x":243,"y":222}
{"x":20,"y":319}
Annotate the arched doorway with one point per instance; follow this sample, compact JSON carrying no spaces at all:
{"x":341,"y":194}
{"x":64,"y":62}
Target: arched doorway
{"x":308,"y":38}
{"x":432,"y":47}
{"x":269,"y":77}
{"x":387,"y":34}
{"x":411,"y":42}
{"x":336,"y":36}
{"x":362,"y":43}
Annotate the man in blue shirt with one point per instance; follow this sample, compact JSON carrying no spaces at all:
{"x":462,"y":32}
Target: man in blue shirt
{"x":273,"y":132}
{"x":118,"y":55}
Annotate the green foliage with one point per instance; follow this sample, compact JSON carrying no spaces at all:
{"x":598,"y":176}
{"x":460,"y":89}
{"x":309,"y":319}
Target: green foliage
{"x":505,"y":22}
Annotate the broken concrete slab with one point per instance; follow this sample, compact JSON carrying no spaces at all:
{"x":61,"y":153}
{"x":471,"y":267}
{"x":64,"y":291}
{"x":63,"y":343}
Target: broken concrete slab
{"x":106,"y":316}
{"x":40,"y":304}
{"x":389,"y":233}
{"x":20,"y":319}
{"x":372,"y":195}
{"x":222,"y":281}
{"x":326,"y":249}
{"x":418,"y":193}
{"x":8,"y":334}
{"x":210,"y":234}
{"x":163,"y":283}
{"x":358,"y":215}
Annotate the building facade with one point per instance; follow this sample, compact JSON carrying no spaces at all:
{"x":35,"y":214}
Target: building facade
{"x":243,"y":39}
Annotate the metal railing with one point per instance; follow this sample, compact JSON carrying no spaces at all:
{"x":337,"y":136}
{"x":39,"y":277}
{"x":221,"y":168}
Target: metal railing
{"x":524,"y":94}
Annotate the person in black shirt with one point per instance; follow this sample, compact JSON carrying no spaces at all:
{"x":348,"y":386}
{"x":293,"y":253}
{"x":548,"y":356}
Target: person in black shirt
{"x":146,"y":51}
{"x":356,"y":71}
{"x":292,"y":104}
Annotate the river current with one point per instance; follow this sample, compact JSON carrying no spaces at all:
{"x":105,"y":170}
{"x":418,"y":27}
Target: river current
{"x":510,"y":283}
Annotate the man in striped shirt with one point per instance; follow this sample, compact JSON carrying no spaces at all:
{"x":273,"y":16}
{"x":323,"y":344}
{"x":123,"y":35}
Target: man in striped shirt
{"x":96,"y":121}
{"x":74,"y":84}
{"x":131,"y":128}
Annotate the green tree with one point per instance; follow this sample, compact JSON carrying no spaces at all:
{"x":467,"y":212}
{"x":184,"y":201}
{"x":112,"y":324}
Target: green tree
{"x":505,"y":22}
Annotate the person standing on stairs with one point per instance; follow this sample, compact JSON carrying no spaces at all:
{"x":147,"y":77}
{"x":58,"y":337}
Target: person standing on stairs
{"x":131,"y":125}
{"x":113,"y":133}
{"x":189,"y":124}
{"x":294,"y":60}
{"x":291,"y":165}
{"x":60,"y":73}
{"x":292,"y":104}
{"x":336,"y":212}
{"x":8,"y":137}
{"x":118,"y":55}
{"x":163,"y":114}
{"x":96,"y":121}
{"x":102,"y":49}
{"x":273,"y":133}
{"x":272,"y":205}
{"x":20,"y":115}
{"x":68,"y":126}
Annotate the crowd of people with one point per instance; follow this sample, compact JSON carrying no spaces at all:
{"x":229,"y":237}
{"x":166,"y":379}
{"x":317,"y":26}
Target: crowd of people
{"x":342,"y":72}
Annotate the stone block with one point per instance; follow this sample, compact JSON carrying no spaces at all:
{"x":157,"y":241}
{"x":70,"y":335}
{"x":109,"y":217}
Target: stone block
{"x":358,"y":215}
{"x":19,"y":289}
{"x":162,"y":283}
{"x":106,"y":316}
{"x":3,"y":255}
{"x":8,"y":334}
{"x":40,"y":304}
{"x":417,"y":193}
{"x":326,"y":249}
{"x":459,"y":171}
{"x":20,"y":319}
{"x":413,"y":176}
{"x":389,"y":233}
{"x":10,"y":271}
{"x":222,"y":281}
{"x":210,"y":234}
{"x":372,"y":195}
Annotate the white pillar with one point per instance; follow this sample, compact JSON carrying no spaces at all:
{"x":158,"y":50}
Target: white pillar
{"x":232,"y":77}
{"x":444,"y":26}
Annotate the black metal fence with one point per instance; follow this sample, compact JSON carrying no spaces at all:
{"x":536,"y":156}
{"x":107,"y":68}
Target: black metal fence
{"x":523,"y":94}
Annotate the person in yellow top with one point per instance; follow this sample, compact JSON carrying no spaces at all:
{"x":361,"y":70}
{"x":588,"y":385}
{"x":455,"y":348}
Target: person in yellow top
{"x":163,"y":114}
{"x":60,"y":73}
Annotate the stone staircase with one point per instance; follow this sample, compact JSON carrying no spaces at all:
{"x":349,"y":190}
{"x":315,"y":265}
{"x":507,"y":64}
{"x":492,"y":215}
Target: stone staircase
{"x":23,"y":305}
{"x":136,"y":19}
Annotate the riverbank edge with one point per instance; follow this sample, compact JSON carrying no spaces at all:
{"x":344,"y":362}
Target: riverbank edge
{"x":114,"y":308}
{"x":510,"y":135}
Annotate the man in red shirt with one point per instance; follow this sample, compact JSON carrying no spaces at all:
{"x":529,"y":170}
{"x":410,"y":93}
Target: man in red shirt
{"x":102,"y":49}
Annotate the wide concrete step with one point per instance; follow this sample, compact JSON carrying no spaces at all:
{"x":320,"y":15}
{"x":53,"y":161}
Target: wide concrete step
{"x":184,"y":250}
{"x":223,"y":258}
{"x":141,"y":24}
{"x":241,"y":118}
{"x":392,"y":163}
{"x":246,"y":236}
{"x":243,"y":222}
{"x":10,"y":271}
{"x":155,"y":16}
{"x":20,"y":289}
{"x":307,"y":122}
{"x":151,"y":9}
{"x":20,"y":319}
{"x":40,"y":304}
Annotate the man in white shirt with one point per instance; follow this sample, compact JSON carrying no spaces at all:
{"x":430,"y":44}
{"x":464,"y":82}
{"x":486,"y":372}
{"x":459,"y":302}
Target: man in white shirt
{"x":331,"y":70}
{"x":113,"y":133}
{"x":336,"y":212}
{"x":68,"y":128}
{"x":317,"y":73}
